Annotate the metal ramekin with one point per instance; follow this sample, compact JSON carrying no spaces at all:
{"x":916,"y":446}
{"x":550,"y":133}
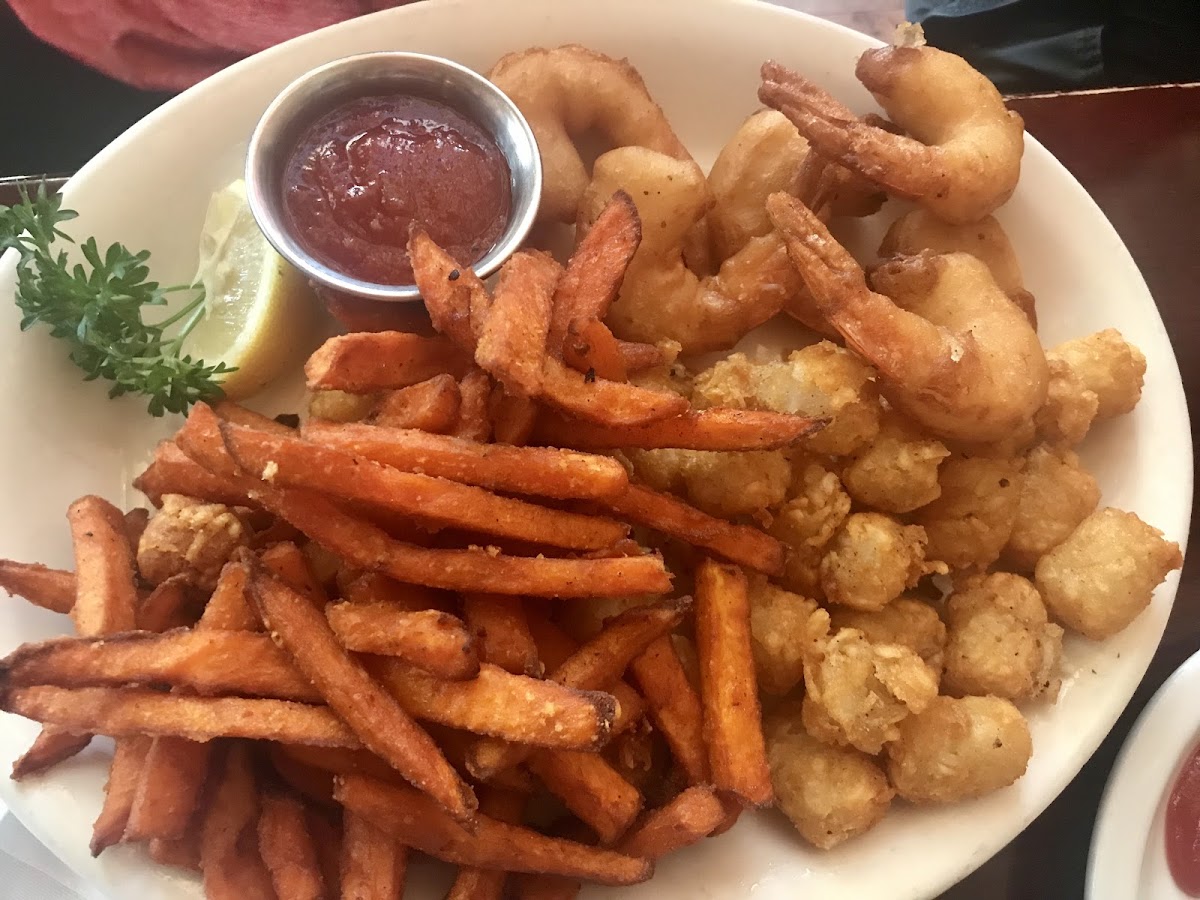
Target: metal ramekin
{"x":317,"y":92}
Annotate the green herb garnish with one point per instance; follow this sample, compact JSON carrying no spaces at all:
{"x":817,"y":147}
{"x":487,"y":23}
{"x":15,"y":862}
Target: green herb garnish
{"x":96,"y":307}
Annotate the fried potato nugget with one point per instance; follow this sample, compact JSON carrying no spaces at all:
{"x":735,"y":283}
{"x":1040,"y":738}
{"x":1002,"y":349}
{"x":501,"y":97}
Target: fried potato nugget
{"x":1100,"y":578}
{"x":823,"y":380}
{"x":858,"y":692}
{"x":905,"y":621}
{"x":1000,"y":641}
{"x":807,"y":522}
{"x":1057,"y":493}
{"x":829,"y":793}
{"x":972,"y":520}
{"x":1110,"y":367}
{"x":959,"y":748}
{"x":872,"y":560}
{"x":722,"y":484}
{"x":898,"y":471}
{"x":778,"y":632}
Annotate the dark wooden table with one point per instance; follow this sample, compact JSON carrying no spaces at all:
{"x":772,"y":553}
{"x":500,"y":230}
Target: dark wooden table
{"x":1138,"y":153}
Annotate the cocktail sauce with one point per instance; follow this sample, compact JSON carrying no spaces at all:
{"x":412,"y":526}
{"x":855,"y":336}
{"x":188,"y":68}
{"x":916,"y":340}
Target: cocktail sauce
{"x":367,"y":173}
{"x":1183,"y":827}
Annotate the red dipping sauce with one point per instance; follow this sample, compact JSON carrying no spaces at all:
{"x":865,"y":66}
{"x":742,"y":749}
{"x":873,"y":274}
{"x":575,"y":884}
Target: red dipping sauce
{"x":1183,"y":827}
{"x":366,"y":174}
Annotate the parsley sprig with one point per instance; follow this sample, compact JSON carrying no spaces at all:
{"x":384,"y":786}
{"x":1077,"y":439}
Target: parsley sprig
{"x":96,"y":307}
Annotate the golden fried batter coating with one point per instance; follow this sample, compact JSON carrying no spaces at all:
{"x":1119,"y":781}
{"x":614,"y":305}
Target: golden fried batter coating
{"x":822,"y":380}
{"x":829,"y":793}
{"x":865,"y":690}
{"x":189,"y":537}
{"x":905,"y":621}
{"x":972,"y":520}
{"x":724,"y":484}
{"x":872,"y":560}
{"x":898,"y":471}
{"x":1109,"y":366}
{"x":1101,"y":577}
{"x":1057,"y":493}
{"x":959,"y":748}
{"x":1000,"y":641}
{"x":778,"y":634}
{"x":807,"y":522}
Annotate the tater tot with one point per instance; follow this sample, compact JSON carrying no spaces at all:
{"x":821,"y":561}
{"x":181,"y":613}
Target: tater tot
{"x":1000,"y":641}
{"x":723,"y":484}
{"x":959,"y":748}
{"x":872,"y":560}
{"x":340,"y":406}
{"x":807,"y":522}
{"x":1111,"y":367}
{"x":1056,"y":495}
{"x":820,"y":380}
{"x":905,"y":621}
{"x":778,"y":632}
{"x":969,"y":524}
{"x":898,"y":471}
{"x":865,"y":690}
{"x":1101,"y":577}
{"x":829,"y":793}
{"x":1070,"y":407}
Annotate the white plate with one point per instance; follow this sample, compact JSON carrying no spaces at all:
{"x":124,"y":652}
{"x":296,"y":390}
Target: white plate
{"x":1128,"y":856}
{"x":61,"y":438}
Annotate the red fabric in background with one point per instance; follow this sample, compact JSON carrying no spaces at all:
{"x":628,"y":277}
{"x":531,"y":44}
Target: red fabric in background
{"x":172,"y":44}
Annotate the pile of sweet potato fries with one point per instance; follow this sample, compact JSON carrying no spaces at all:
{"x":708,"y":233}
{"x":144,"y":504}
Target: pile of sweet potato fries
{"x":376,"y":664}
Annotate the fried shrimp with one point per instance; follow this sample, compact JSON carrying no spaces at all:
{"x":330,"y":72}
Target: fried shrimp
{"x":569,"y":90}
{"x":963,"y":158}
{"x":661,"y":298}
{"x":952,"y":350}
{"x":985,"y":240}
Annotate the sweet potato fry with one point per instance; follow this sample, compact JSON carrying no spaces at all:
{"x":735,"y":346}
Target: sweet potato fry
{"x":431,"y":640}
{"x":605,"y":402}
{"x":418,"y":822}
{"x":590,"y":788}
{"x":639,"y":357}
{"x":457,"y":301}
{"x":371,"y":587}
{"x":364,"y":362}
{"x":326,"y":828}
{"x":169,"y":788}
{"x":503,"y":632}
{"x":591,"y":347}
{"x":288,"y":563}
{"x":173,"y":472}
{"x":166,"y":607}
{"x":183,"y":853}
{"x":687,"y":819}
{"x":512,"y":417}
{"x":291,"y":462}
{"x":431,"y":405}
{"x":512,"y":343}
{"x":547,"y":887}
{"x":674,"y":706}
{"x":488,"y":884}
{"x":287,"y":849}
{"x":334,"y":761}
{"x":49,"y":748}
{"x":526,"y":711}
{"x":51,"y":589}
{"x":737,"y":543}
{"x":105,"y":594}
{"x":706,"y":429}
{"x":240,"y":415}
{"x":372,"y":863}
{"x":121,"y":712}
{"x":374,"y":715}
{"x":308,"y":781}
{"x":474,"y":421}
{"x":228,"y":608}
{"x":539,"y":471}
{"x":732,"y":717}
{"x":594,"y":666}
{"x":128,"y":758}
{"x":136,"y":521}
{"x":596,"y":269}
{"x":229,"y":859}
{"x":208,"y":662}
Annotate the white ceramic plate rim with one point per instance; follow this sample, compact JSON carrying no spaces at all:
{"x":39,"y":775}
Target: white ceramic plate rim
{"x":885,"y":851}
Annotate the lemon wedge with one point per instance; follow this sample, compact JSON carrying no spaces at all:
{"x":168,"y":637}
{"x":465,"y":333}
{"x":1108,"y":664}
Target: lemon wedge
{"x":260,"y":315}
